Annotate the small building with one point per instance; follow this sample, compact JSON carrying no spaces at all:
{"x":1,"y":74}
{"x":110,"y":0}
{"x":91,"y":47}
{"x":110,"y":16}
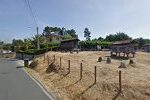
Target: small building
{"x":69,"y":45}
{"x":147,"y":48}
{"x":53,"y":37}
{"x":126,"y":48}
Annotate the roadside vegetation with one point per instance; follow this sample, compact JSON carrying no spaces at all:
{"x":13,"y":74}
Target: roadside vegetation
{"x":29,"y":45}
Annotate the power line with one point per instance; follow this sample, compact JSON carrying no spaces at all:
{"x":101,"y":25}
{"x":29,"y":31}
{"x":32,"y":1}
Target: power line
{"x":34,"y":18}
{"x":32,"y":14}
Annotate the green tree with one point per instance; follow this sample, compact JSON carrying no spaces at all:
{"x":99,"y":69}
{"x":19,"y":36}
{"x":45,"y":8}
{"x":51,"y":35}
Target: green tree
{"x":48,"y":29}
{"x":18,"y":42}
{"x":87,"y":34}
{"x":27,"y":43}
{"x":67,"y":36}
{"x":1,"y":42}
{"x":42,"y":40}
{"x":147,"y":41}
{"x":55,"y":29}
{"x":140,"y":41}
{"x":117,"y":37}
{"x":101,"y":39}
{"x":72,"y":33}
{"x":7,"y":46}
{"x":110,"y":38}
{"x":95,"y":39}
{"x":62,"y":31}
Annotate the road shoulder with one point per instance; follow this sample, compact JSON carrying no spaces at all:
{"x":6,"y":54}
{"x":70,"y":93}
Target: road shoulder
{"x":38,"y":82}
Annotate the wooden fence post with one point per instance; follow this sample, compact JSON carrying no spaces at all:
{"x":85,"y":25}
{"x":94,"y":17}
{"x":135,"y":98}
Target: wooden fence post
{"x":54,"y":58}
{"x":44,"y":57}
{"x":95,"y":75}
{"x":48,"y":60}
{"x":69,"y":66}
{"x":120,"y":83}
{"x":60,"y":61}
{"x":81,"y":68}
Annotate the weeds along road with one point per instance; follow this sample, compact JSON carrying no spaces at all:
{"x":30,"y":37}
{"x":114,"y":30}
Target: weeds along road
{"x":15,"y":84}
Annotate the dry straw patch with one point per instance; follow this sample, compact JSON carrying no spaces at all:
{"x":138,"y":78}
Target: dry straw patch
{"x":68,"y":86}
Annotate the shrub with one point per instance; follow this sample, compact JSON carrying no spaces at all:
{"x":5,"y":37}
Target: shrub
{"x":36,"y":51}
{"x":93,"y":44}
{"x":34,"y":64}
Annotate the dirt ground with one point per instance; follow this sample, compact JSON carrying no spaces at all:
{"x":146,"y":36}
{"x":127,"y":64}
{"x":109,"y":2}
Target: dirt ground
{"x":69,"y":86}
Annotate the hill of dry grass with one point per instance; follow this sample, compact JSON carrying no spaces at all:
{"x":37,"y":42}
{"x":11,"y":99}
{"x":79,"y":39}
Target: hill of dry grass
{"x":69,"y":86}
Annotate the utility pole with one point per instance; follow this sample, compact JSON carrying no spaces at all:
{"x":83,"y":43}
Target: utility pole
{"x":1,"y":49}
{"x":38,"y":42}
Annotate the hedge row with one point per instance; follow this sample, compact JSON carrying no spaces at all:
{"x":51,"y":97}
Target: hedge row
{"x":37,"y":52}
{"x":93,"y":44}
{"x":50,"y":44}
{"x":55,"y":46}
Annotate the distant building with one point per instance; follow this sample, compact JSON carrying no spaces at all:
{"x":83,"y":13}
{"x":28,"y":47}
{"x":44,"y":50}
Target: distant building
{"x":69,"y":44}
{"x":5,"y":51}
{"x":126,"y":47}
{"x":1,"y":51}
{"x":53,"y":37}
{"x":147,"y":48}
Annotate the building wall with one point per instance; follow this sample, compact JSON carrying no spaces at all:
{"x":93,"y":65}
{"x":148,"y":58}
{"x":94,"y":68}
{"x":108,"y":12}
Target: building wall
{"x":69,"y":45}
{"x":147,"y":48}
{"x":122,"y":48}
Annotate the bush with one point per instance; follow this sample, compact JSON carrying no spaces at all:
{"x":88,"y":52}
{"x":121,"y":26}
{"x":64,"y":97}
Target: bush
{"x":93,"y":44}
{"x":36,"y":51}
{"x":49,"y":45}
{"x":34,"y":64}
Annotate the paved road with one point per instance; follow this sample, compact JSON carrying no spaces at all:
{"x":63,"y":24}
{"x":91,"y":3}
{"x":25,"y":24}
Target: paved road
{"x":15,"y":84}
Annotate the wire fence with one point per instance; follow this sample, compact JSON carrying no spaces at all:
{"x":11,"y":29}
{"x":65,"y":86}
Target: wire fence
{"x":72,"y":64}
{"x":77,"y":67}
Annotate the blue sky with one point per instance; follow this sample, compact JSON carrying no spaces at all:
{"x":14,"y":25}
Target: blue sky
{"x":102,"y":17}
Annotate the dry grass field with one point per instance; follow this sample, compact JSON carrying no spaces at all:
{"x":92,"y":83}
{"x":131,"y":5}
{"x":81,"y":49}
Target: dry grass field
{"x":69,"y":86}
